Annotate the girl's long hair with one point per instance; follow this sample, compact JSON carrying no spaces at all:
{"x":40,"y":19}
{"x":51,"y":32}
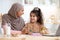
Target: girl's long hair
{"x":38,"y":13}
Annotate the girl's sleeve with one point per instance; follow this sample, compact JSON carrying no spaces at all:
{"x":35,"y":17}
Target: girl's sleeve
{"x":44,"y":30}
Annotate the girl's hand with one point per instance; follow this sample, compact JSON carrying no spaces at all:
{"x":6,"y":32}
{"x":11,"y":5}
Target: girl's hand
{"x":44,"y":32}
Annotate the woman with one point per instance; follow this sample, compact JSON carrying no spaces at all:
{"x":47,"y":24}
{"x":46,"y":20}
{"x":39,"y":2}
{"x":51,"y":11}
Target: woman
{"x":36,"y":23}
{"x":14,"y":18}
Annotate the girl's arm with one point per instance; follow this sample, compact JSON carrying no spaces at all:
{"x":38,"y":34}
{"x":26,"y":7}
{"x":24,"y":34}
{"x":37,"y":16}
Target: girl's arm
{"x":44,"y":30}
{"x":25,"y":30}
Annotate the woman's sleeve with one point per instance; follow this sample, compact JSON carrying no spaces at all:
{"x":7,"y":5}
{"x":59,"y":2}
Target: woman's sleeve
{"x":3,"y":23}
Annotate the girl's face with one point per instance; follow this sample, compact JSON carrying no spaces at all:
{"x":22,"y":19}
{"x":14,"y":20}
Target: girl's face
{"x":33,"y":18}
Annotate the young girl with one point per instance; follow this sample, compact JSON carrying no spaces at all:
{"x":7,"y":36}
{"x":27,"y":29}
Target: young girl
{"x":36,"y":23}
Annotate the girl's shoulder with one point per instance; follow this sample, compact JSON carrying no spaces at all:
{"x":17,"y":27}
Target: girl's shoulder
{"x":28,"y":24}
{"x":42,"y":26}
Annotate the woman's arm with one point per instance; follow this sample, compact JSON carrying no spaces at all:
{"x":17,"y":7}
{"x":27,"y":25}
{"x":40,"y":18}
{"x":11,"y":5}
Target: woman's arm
{"x":13,"y":32}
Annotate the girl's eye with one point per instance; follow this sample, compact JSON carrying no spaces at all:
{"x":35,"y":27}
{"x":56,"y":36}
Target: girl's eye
{"x":33,"y":16}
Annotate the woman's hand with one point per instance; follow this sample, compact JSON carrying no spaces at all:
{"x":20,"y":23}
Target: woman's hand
{"x":15,"y":33}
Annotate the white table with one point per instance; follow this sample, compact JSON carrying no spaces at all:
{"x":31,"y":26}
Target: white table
{"x":27,"y":37}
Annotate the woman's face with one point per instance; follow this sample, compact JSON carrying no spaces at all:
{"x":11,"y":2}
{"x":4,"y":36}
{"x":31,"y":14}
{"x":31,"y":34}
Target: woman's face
{"x":33,"y":18}
{"x":19,"y":13}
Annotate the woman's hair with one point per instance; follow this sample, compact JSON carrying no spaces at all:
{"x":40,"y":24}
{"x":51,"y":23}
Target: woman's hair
{"x":14,"y":9}
{"x":38,"y":13}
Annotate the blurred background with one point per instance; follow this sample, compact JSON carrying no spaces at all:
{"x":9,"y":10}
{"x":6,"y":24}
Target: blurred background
{"x":50,"y":10}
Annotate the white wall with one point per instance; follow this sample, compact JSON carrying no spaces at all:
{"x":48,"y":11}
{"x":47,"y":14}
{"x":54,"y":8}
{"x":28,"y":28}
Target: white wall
{"x":6,"y":4}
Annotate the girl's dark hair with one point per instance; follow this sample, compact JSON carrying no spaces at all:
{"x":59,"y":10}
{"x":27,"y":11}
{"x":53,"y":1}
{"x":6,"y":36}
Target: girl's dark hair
{"x":38,"y":13}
